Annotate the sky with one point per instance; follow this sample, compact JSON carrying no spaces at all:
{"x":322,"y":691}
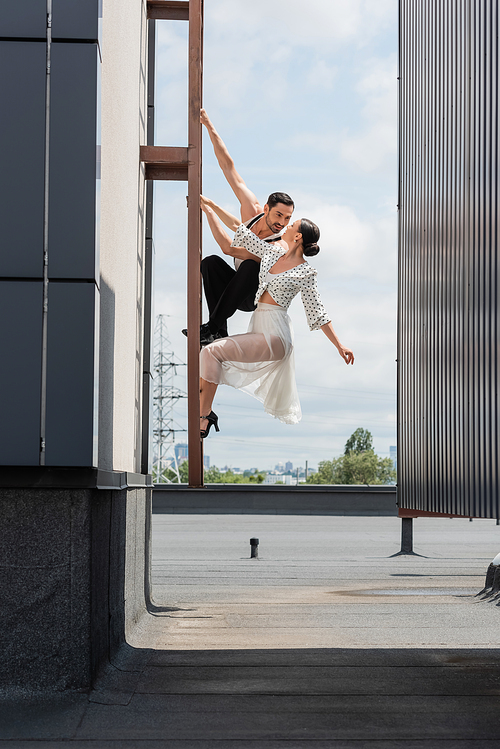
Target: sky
{"x":306,"y":104}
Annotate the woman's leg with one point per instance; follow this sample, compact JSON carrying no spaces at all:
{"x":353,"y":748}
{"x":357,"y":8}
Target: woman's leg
{"x":247,"y":348}
{"x":207,"y":395}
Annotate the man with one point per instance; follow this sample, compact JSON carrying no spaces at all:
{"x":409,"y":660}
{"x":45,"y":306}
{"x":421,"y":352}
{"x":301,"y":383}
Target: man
{"x":227,"y":290}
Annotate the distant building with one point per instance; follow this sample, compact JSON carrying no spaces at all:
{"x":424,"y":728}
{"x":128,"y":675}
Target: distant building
{"x":393,"y":453}
{"x":288,"y":466}
{"x":279,"y":467}
{"x":279,"y":478}
{"x":181,"y":452}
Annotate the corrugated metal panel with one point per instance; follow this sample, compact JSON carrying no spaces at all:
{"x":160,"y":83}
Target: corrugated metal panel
{"x":448,"y":366}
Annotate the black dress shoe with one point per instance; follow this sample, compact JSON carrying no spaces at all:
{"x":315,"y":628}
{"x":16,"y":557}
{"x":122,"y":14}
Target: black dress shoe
{"x":206,"y":335}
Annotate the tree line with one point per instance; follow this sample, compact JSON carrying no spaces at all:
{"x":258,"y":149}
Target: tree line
{"x":358,"y":465}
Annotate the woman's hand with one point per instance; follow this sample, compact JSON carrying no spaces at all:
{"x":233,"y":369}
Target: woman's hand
{"x":205,"y":204}
{"x":218,"y":232}
{"x":208,"y":206}
{"x":346,"y":354}
{"x":204,"y":119}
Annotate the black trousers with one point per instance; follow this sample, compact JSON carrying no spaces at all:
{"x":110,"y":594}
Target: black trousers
{"x":227,"y":290}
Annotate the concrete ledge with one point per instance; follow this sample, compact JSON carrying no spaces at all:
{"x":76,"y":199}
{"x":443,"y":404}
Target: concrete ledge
{"x":75,"y":583}
{"x":53,"y":477}
{"x":249,"y":499}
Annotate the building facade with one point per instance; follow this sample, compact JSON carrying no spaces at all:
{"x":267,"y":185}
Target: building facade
{"x":74,"y":484}
{"x":448,"y":357}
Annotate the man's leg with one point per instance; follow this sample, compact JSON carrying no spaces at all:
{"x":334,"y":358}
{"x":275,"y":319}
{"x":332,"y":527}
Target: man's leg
{"x":216,"y":274}
{"x":239,"y":293}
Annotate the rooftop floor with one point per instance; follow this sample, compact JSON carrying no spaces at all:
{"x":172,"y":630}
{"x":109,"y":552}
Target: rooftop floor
{"x":326,"y":582}
{"x":324,"y":641}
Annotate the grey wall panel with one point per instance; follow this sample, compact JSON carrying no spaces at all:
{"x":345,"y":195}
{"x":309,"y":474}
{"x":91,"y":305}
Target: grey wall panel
{"x":22,"y":127}
{"x":72,"y":233}
{"x":20,"y":371}
{"x":449,"y":274}
{"x":71,"y":365}
{"x":24,"y":18}
{"x":75,"y":19}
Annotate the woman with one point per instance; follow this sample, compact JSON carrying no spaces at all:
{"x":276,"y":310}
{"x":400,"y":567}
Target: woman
{"x":261,"y":361}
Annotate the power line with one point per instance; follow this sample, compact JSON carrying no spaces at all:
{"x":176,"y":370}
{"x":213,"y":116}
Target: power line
{"x":355,"y":393}
{"x":307,"y":419}
{"x":165,"y":397}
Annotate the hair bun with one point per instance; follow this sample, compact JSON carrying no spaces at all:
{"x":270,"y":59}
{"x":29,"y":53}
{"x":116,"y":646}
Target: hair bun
{"x":310,"y":249}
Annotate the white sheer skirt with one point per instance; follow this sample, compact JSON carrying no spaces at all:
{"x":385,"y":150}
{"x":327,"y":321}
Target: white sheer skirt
{"x":260,"y":362}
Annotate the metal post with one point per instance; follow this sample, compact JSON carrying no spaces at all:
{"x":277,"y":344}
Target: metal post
{"x":45,"y":307}
{"x":407,"y":535}
{"x":406,"y":539}
{"x":148,"y":265}
{"x":254,"y":548}
{"x":195,"y":444}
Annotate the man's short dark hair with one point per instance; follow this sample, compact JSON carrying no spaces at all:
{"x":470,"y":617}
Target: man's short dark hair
{"x":279,"y":197}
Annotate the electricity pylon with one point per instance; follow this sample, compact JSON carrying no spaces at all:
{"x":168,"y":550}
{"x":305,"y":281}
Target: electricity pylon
{"x":165,"y":398}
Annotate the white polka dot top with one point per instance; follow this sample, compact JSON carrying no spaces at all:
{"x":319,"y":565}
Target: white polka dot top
{"x":283,"y":287}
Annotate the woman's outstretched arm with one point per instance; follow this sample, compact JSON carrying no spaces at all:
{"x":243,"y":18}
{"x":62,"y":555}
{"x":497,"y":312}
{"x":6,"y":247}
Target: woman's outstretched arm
{"x":344,"y":352}
{"x":227,"y":218}
{"x":221,"y":236}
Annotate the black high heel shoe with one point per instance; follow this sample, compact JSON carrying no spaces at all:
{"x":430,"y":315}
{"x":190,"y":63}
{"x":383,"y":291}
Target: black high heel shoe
{"x":212,"y":419}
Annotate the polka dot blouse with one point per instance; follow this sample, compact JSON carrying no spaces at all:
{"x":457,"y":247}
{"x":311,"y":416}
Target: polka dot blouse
{"x":285,"y":286}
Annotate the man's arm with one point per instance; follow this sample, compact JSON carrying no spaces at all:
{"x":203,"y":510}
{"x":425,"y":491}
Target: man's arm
{"x":250,"y":206}
{"x":227,"y":218}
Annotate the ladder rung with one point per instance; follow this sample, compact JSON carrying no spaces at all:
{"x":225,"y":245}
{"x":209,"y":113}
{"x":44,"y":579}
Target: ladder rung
{"x":165,"y":162}
{"x":173,"y":10}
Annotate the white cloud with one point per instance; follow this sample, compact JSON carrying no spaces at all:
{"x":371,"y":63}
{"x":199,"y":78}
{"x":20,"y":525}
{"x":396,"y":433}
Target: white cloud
{"x":370,"y":141}
{"x":252,"y":47}
{"x":304,"y":25}
{"x":376,"y":144}
{"x":321,"y":75}
{"x":352,"y":246}
{"x":171,"y":88}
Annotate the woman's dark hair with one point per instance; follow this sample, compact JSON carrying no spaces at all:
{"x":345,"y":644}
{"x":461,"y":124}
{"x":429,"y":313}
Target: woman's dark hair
{"x":310,"y":236}
{"x":279,"y":197}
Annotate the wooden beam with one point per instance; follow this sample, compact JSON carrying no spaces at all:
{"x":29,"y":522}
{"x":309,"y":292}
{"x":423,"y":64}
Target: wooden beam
{"x":195,"y":444}
{"x":168,"y":10}
{"x":165,"y":162}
